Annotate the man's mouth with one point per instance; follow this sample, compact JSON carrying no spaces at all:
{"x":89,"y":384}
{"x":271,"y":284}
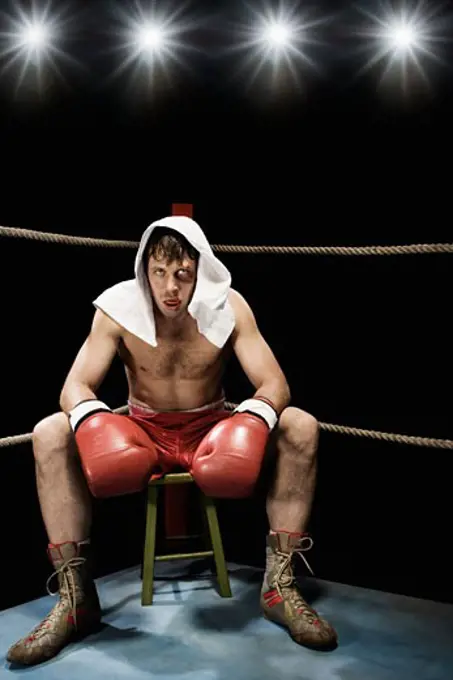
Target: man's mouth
{"x":172,"y":304}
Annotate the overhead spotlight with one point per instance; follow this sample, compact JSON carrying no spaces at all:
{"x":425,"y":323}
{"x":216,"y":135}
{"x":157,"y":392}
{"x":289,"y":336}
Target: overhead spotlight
{"x":276,"y":37}
{"x":32,"y":43}
{"x":406,"y":40}
{"x":34,"y":35}
{"x":150,"y":39}
{"x":276,"y":34}
{"x":402,"y":37}
{"x":278,"y":43}
{"x":32,"y":40}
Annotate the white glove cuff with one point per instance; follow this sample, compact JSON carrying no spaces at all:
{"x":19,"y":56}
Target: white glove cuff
{"x":259,"y":408}
{"x":84,"y":409}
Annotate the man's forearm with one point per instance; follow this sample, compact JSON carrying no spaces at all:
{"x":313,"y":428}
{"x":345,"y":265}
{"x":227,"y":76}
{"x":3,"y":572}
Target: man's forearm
{"x":74,"y":393}
{"x":277,"y":392}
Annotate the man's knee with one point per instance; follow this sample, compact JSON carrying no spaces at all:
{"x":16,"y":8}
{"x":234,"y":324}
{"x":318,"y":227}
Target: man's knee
{"x":51,"y":433}
{"x":298,"y":428}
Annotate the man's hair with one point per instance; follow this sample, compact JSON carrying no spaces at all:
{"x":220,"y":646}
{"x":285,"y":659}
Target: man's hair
{"x":168,"y":244}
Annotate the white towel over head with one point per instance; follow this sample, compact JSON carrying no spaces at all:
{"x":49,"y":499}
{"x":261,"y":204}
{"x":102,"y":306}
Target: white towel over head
{"x":130,"y":302}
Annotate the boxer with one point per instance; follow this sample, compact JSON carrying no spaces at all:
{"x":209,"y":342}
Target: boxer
{"x":174,"y":326}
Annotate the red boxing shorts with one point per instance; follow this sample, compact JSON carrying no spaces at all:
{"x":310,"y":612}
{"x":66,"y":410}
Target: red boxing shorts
{"x":177,"y":434}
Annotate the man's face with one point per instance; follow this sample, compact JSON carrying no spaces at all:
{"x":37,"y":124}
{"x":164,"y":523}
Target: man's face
{"x":172,"y":284}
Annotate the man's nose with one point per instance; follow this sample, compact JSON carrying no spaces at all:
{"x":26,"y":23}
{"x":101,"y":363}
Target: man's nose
{"x":172,"y":285}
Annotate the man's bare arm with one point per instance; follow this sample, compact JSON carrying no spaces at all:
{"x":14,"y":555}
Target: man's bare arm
{"x":256,"y":357}
{"x":91,"y":363}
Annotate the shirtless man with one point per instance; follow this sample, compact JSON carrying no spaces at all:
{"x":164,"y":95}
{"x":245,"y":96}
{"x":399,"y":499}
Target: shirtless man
{"x":87,"y":450}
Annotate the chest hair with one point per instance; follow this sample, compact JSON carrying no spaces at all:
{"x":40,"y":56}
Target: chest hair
{"x":184,"y":359}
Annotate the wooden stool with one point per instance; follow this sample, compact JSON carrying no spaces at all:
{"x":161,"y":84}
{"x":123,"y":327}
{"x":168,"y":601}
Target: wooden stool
{"x":150,"y":556}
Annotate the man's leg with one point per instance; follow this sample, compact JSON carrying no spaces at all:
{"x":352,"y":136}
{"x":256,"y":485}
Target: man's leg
{"x":288,"y":505}
{"x":290,"y":498}
{"x":66,"y":510}
{"x":63,"y":493}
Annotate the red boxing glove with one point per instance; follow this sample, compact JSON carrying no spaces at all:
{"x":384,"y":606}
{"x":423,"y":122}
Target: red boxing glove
{"x":117,"y":456}
{"x":228,"y":460}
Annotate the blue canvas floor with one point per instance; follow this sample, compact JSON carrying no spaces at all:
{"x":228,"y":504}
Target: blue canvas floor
{"x":191,"y":633}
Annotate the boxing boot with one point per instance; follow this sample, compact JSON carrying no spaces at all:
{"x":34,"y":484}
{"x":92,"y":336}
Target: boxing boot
{"x":76,"y":614}
{"x":281,"y":600}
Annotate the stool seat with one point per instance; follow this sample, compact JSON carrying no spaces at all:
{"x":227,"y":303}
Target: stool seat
{"x":214,"y":536}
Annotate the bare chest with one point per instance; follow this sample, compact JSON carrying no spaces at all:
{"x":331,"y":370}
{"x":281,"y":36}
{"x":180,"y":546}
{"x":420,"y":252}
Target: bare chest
{"x":185,"y":359}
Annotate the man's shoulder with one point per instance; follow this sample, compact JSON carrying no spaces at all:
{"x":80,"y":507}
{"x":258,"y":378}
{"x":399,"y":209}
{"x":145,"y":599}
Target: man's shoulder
{"x":236,"y":299}
{"x":104,"y":324}
{"x":241,"y":308}
{"x":111,"y":303}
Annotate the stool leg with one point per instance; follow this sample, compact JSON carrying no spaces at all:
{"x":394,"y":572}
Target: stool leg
{"x":216,"y":540}
{"x":150,"y":546}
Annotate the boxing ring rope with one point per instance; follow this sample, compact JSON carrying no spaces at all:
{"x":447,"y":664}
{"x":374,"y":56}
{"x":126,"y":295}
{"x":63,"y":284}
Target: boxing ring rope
{"x":415,"y":249}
